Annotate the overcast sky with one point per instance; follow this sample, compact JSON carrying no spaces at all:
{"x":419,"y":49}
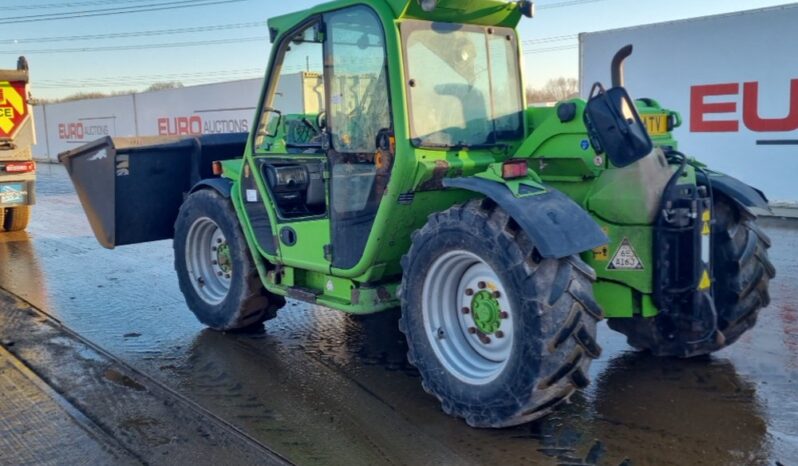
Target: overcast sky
{"x":230,"y":37}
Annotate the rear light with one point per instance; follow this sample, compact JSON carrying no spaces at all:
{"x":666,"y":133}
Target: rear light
{"x":20,"y":167}
{"x":217,"y":168}
{"x":515,"y":169}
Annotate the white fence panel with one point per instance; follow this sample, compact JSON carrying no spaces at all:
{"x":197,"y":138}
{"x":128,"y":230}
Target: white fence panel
{"x":209,"y":109}
{"x":71,"y":124}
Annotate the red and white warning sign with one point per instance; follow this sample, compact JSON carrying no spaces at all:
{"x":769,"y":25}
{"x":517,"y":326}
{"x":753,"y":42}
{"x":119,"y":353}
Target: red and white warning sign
{"x":625,"y":258}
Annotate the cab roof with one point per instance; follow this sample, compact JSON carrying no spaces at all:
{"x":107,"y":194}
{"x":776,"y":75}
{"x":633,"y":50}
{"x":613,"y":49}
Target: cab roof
{"x":498,"y":13}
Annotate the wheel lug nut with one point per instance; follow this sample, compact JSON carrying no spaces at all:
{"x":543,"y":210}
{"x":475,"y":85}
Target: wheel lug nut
{"x":213,"y":248}
{"x":219,"y":273}
{"x":227,"y":276}
{"x":469,"y":292}
{"x":472,"y":330}
{"x":215,"y":262}
{"x":504,"y":315}
{"x":499,"y":334}
{"x":218,"y":240}
{"x":466,"y":310}
{"x":485,"y":341}
{"x":497,"y":295}
{"x":482,"y":285}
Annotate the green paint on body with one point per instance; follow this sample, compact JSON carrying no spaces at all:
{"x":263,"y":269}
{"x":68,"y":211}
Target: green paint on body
{"x":559,"y":156}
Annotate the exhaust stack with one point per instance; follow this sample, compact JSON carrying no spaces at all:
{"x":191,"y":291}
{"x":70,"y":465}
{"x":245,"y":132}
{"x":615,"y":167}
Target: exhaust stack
{"x":617,"y":65}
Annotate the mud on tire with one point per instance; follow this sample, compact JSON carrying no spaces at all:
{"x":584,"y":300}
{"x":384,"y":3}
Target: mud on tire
{"x":246,"y":303}
{"x":742,"y":271}
{"x":554,"y":318}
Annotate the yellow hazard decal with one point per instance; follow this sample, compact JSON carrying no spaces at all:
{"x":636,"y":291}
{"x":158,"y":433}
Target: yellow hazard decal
{"x":706,"y":218}
{"x":705,"y":282}
{"x":601,"y":253}
{"x":13,"y":108}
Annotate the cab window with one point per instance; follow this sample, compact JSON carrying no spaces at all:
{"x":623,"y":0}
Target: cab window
{"x":357,"y":69}
{"x":293,"y":115}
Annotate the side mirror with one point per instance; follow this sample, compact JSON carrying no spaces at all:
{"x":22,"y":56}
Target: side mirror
{"x":615,"y":127}
{"x":272,"y":126}
{"x":527,"y":8}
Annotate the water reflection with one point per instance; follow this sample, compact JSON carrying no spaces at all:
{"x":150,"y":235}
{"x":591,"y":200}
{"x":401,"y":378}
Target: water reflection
{"x":673,"y":411}
{"x":20,"y":269}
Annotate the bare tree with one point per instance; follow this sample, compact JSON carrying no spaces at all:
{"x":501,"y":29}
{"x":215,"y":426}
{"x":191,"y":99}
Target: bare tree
{"x":160,"y":86}
{"x":563,"y":88}
{"x":555,"y":90}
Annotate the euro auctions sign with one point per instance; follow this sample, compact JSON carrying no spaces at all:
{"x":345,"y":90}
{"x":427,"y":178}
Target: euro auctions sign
{"x":13,"y":108}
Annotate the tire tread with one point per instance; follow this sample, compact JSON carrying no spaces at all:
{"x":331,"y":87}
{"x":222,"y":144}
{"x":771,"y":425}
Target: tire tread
{"x":566,"y":287}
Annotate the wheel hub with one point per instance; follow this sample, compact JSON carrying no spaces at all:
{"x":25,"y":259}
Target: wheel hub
{"x":209,"y":260}
{"x":486,"y":312}
{"x":223,"y":258}
{"x":468,"y":317}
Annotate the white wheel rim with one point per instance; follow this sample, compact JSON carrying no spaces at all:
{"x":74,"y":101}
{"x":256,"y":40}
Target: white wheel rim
{"x":208,"y":260}
{"x":453,"y":280}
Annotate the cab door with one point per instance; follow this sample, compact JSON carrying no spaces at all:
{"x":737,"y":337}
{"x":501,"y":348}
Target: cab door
{"x":284,"y":183}
{"x":360,"y":128}
{"x":323,"y":133}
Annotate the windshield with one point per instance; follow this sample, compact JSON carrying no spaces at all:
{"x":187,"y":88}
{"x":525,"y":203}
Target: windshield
{"x":464,"y":84}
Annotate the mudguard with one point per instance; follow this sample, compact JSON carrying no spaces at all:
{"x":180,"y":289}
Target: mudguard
{"x":221,"y":185}
{"x":746,"y":196}
{"x":557,"y":225}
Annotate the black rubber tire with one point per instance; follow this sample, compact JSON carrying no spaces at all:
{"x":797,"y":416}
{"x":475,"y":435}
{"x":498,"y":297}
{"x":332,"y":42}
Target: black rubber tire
{"x":742,"y":273}
{"x":247,"y":304}
{"x":555,"y":321}
{"x":16,"y":218}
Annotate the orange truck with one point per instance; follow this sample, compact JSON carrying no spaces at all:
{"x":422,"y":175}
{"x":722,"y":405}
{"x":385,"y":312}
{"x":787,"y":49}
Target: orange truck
{"x":17,"y":136}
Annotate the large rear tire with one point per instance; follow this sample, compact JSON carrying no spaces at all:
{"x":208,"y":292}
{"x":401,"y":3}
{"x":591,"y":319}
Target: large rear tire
{"x":215,"y":269}
{"x":742,"y":273}
{"x":16,"y":218}
{"x":499,"y":335}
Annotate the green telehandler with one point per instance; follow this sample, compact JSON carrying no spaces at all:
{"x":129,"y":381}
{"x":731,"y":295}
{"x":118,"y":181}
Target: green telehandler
{"x":394,"y":163}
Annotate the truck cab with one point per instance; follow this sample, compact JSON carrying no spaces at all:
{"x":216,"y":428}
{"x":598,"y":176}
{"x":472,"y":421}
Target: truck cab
{"x":17,"y":136}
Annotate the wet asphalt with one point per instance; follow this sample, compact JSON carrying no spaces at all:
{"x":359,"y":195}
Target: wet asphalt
{"x":319,"y":387}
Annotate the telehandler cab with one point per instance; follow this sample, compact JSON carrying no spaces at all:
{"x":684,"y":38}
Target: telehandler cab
{"x":394,"y":163}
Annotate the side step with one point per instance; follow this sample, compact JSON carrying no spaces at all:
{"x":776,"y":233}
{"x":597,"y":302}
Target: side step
{"x":304,"y":294}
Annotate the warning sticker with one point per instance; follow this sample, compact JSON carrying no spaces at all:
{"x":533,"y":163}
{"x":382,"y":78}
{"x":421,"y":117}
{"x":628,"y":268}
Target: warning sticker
{"x":625,"y":258}
{"x":601,"y":253}
{"x":13,"y":108}
{"x":706,"y":282}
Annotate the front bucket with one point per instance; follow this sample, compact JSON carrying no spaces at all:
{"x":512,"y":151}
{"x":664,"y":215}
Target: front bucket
{"x":131,"y":188}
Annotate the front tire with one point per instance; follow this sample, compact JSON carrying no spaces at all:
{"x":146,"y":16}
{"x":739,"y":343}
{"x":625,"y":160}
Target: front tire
{"x":742,"y":271}
{"x":215,"y":269}
{"x":499,"y":335}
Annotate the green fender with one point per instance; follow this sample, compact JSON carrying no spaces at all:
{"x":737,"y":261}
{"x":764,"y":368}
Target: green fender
{"x":556,"y":224}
